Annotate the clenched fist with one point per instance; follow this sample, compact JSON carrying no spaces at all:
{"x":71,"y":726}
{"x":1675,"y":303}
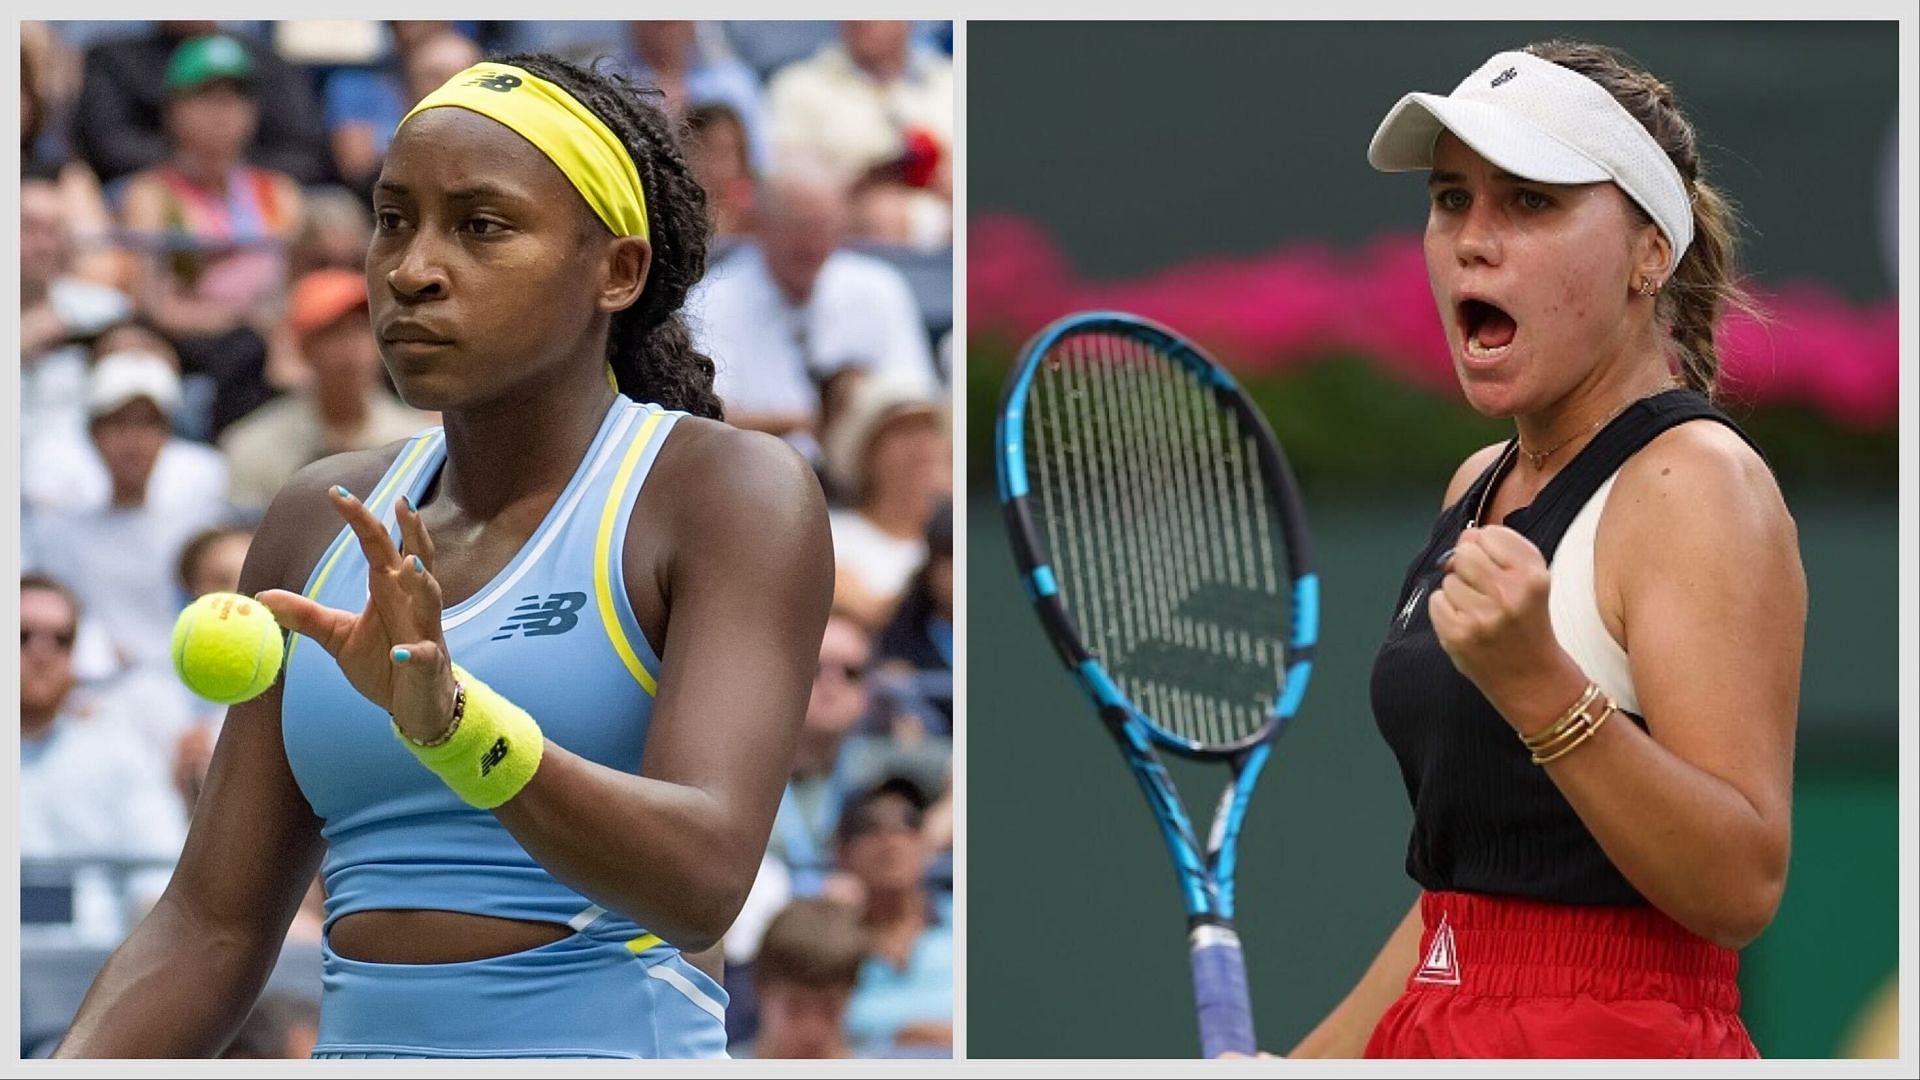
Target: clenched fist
{"x":1490,"y":612}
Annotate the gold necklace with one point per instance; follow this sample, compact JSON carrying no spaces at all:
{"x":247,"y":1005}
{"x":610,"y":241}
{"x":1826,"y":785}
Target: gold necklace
{"x":1536,"y":458}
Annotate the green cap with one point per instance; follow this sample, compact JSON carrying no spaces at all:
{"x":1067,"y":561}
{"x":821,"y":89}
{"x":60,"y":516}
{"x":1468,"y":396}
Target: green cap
{"x":201,"y":60}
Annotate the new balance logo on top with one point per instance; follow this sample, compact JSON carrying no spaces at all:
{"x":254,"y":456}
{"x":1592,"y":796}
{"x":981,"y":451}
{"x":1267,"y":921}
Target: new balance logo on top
{"x":1442,"y":964}
{"x":495,"y":754}
{"x":1504,"y":77}
{"x":536,"y":617}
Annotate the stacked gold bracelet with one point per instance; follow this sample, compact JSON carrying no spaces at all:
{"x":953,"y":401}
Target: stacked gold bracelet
{"x":1574,"y":727}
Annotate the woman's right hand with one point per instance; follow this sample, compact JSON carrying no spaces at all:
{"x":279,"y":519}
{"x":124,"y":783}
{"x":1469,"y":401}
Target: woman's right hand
{"x":392,"y":651}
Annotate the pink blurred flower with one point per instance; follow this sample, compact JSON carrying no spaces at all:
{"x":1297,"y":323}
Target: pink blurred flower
{"x":1300,"y":303}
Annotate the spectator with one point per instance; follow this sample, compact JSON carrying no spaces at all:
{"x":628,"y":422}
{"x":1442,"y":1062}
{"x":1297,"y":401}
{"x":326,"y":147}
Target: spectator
{"x":124,"y":94}
{"x":716,"y":146}
{"x":209,"y":563}
{"x":63,"y":468}
{"x":808,"y":965}
{"x":58,"y":311}
{"x":214,"y":228}
{"x":582,"y":41}
{"x":433,"y":59}
{"x":344,"y":406}
{"x":365,"y":105}
{"x":88,"y":786}
{"x":811,"y":805}
{"x":794,"y":314}
{"x":890,"y":455}
{"x":83,"y":213}
{"x":904,"y":999}
{"x":919,"y":636}
{"x":669,"y":55}
{"x":120,"y":555}
{"x":335,"y":228}
{"x":767,"y":45}
{"x":879,"y":111}
{"x":281,"y":1025}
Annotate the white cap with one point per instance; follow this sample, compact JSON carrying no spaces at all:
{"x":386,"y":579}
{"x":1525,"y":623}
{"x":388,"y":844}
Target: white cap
{"x":879,"y":398}
{"x":124,"y":376}
{"x":1542,"y":122}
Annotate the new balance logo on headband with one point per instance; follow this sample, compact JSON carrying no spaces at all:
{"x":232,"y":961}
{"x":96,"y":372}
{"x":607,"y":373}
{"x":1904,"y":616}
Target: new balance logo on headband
{"x":536,"y":617}
{"x":1506,"y":76}
{"x":502,"y":82}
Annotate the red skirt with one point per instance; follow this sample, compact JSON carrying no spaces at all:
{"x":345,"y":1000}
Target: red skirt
{"x":1501,"y":978}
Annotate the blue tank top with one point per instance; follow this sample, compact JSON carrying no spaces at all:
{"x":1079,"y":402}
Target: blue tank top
{"x":553,"y":631}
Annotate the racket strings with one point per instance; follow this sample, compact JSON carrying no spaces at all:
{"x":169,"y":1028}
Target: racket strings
{"x":1164,"y":537}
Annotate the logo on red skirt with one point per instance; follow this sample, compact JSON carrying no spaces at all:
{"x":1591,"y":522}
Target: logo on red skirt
{"x":1442,"y":964}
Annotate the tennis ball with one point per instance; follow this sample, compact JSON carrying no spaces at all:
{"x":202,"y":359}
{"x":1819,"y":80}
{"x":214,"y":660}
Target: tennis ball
{"x":227,"y":648}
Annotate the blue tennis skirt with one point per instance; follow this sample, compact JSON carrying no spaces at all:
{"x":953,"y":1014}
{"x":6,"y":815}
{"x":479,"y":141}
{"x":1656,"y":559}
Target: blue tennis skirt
{"x":579,"y":997}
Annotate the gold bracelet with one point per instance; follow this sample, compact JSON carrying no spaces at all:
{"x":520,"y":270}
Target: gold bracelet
{"x":459,"y":710}
{"x":1582,"y":727}
{"x":1566,"y":721}
{"x":1543,"y":759}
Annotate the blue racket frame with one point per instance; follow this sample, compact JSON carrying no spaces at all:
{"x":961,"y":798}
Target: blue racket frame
{"x":1206,"y":873}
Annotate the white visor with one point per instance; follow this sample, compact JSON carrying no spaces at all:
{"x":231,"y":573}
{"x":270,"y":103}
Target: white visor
{"x":1543,"y":122}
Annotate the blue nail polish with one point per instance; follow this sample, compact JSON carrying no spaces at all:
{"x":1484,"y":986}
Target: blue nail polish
{"x":342,"y":491}
{"x":418,"y":566}
{"x":401,"y":656}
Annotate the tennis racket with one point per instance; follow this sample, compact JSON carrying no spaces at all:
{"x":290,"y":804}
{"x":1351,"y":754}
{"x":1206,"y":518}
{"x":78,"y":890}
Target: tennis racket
{"x":1159,"y":534}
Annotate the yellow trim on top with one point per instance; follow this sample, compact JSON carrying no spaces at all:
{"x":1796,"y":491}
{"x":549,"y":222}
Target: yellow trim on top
{"x":380,"y":493}
{"x":643,"y":943}
{"x":603,"y":556}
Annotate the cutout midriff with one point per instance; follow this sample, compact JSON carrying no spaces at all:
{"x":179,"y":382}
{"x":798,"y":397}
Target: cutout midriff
{"x":435,"y":937}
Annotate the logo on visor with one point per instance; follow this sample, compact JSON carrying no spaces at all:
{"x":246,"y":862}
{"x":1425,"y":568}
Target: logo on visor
{"x":502,"y":82}
{"x":1504,"y":77}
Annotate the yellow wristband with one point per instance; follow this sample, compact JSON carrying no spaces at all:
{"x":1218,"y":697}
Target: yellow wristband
{"x":492,"y":750}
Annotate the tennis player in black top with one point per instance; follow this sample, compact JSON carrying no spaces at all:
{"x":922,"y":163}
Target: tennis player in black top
{"x":1591,"y":676}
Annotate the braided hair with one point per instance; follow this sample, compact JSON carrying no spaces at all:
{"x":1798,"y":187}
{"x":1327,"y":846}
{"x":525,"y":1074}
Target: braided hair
{"x":652,"y":354}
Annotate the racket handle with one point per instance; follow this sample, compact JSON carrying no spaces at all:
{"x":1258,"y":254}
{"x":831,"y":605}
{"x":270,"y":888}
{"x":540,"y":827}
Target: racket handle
{"x":1220,"y":991}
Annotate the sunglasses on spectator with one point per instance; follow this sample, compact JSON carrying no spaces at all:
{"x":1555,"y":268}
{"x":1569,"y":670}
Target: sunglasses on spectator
{"x":63,"y":639}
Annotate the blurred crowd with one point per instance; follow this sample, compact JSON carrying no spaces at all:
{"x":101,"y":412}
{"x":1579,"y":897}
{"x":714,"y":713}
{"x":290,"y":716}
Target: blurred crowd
{"x":194,"y":329}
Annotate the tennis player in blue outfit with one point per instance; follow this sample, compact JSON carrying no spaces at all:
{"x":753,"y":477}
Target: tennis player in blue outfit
{"x":544,"y":685}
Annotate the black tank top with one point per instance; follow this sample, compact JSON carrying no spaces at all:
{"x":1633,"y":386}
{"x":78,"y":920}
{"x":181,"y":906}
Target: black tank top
{"x":1485,"y":818}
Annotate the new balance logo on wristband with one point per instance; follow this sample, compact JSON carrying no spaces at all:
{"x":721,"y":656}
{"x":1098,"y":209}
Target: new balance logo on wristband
{"x":495,"y":754}
{"x":537,"y":617}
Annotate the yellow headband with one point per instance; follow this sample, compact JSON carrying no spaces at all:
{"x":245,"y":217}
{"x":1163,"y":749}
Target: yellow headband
{"x":563,"y":129}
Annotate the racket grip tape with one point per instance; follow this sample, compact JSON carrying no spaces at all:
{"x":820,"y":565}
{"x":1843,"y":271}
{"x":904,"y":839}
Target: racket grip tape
{"x":1220,"y":991}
